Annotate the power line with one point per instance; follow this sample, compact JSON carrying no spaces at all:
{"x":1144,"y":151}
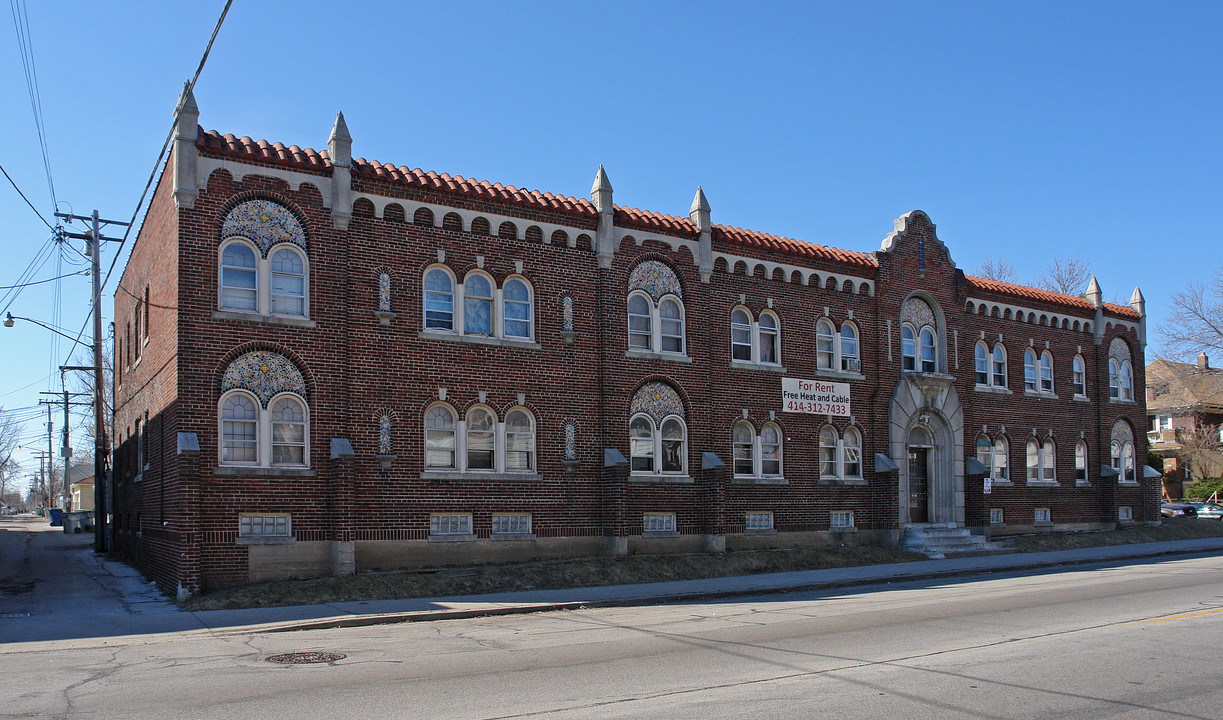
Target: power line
{"x":40,"y":282}
{"x":169,"y":136}
{"x":23,"y":197}
{"x":21,"y":23}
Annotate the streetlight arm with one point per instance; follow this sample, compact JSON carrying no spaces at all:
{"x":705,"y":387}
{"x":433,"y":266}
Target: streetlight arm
{"x":10,"y":317}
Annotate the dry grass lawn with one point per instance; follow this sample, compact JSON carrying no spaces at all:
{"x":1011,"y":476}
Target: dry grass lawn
{"x":442,"y":582}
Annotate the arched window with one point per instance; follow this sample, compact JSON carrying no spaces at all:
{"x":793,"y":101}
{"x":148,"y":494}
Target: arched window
{"x":851,"y":454}
{"x":999,"y":366}
{"x":829,"y":465}
{"x":743,"y":441}
{"x":1079,"y":377}
{"x":239,"y":277}
{"x":1129,"y":473}
{"x":1048,"y":463}
{"x":477,"y":305}
{"x":985,"y":453}
{"x":239,"y":429}
{"x":519,"y":441}
{"x":1029,"y":370}
{"x":481,"y":439}
{"x":661,"y":450}
{"x":908,"y":348}
{"x":1033,"y":461}
{"x":928,"y":360}
{"x":1127,"y":380}
{"x":740,"y":335}
{"x":640,"y":330}
{"x":1114,"y":379}
{"x":440,"y":440}
{"x":1114,"y":451}
{"x":1002,"y":469}
{"x":671,"y":325}
{"x":756,"y":456}
{"x":288,"y":281}
{"x":655,"y":309}
{"x":981,"y":359}
{"x":288,"y":431}
{"x":1046,"y":372}
{"x":516,"y":309}
{"x":850,"y":360}
{"x":674,"y":443}
{"x":769,"y":330}
{"x":439,"y":300}
{"x":641,"y":444}
{"x":825,"y":345}
{"x":1080,"y":461}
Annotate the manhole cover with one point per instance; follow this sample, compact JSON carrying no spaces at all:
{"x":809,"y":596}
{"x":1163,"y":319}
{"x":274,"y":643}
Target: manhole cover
{"x":305,"y":658}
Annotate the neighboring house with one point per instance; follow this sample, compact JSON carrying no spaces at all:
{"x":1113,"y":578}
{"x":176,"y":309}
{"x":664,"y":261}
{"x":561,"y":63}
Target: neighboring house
{"x":1185,"y":407}
{"x":82,"y":494}
{"x":78,"y":475}
{"x":326,"y":364}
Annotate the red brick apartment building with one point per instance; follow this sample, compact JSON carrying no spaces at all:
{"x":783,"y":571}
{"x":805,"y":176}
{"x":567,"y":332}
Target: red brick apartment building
{"x":326,"y":365}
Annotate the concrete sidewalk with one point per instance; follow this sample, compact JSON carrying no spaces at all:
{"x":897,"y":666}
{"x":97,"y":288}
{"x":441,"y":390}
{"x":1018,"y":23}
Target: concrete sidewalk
{"x":76,"y":594}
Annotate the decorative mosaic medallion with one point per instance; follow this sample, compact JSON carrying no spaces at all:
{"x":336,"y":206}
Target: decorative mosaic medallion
{"x":1122,"y":432}
{"x":265,"y":374}
{"x":1118,"y":350}
{"x":265,"y":223}
{"x":917,"y":313}
{"x":658,"y":400}
{"x":655,"y":279}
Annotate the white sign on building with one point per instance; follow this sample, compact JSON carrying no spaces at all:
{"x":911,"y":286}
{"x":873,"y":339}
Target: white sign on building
{"x":816,"y":397}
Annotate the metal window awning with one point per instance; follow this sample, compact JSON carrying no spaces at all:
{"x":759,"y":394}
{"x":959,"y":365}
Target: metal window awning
{"x":884,"y":464}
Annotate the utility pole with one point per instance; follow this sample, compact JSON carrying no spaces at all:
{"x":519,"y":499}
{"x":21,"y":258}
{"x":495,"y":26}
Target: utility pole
{"x":100,"y":476}
{"x":65,"y":450}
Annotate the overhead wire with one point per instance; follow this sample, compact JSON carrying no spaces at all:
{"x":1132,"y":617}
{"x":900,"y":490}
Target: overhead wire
{"x":25,"y":44}
{"x":46,"y":280}
{"x":23,"y":197}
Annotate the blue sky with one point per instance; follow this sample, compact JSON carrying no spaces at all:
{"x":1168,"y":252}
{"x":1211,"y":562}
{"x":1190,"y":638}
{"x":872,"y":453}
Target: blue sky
{"x":1026,"y":131}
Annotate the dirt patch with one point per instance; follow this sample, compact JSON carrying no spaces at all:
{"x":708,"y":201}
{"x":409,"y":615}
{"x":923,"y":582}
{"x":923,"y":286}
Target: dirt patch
{"x":591,"y":572}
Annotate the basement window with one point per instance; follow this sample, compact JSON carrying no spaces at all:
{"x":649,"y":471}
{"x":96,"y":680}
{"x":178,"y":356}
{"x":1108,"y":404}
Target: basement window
{"x":658,"y":522}
{"x":841,"y":520}
{"x":265,"y":525}
{"x":1125,"y":513}
{"x":759,"y":521}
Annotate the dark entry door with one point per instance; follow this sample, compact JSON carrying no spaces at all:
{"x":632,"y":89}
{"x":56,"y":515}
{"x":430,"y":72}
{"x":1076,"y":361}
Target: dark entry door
{"x":918,"y":481}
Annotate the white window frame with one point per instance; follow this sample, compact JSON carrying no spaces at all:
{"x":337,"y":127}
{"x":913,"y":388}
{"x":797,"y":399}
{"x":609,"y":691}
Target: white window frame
{"x":501,"y":440}
{"x":658,"y":522}
{"x":831,"y":342}
{"x":1081,"y":462}
{"x":908,"y":348}
{"x":985,"y":454}
{"x":1048,"y":461}
{"x":756,"y":450}
{"x":840,"y":453}
{"x":1079,"y":377}
{"x":656,"y":320}
{"x":1114,"y":379}
{"x":997,"y":516}
{"x":1031,"y":376}
{"x":998,"y":368}
{"x":657,"y":462}
{"x":1041,"y":516}
{"x":453,"y":432}
{"x":459,"y":298}
{"x":305,"y":427}
{"x":1129,"y":470}
{"x":982,"y":363}
{"x":841,"y":520}
{"x":263,"y":278}
{"x":749,"y":334}
{"x":305,"y":280}
{"x":263,"y":431}
{"x":1001,"y":471}
{"x":1127,"y":381}
{"x":1046,"y":372}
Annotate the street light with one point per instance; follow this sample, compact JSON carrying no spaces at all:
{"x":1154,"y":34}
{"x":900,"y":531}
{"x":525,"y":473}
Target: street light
{"x":9,"y":319}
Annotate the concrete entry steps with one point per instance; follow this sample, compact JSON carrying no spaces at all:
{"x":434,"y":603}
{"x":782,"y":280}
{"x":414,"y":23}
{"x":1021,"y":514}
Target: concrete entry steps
{"x":939,"y":540}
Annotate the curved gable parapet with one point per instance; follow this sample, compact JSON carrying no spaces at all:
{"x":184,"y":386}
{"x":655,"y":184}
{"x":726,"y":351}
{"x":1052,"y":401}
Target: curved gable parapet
{"x":918,"y":224}
{"x":264,"y":373}
{"x":264,"y":222}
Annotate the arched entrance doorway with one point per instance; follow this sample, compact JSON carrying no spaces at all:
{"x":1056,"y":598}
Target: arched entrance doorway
{"x":927,"y":444}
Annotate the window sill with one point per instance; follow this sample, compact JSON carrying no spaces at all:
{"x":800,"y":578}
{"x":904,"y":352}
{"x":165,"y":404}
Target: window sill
{"x":257,"y":471}
{"x":843,"y":481}
{"x":995,"y":389}
{"x":478,"y":339}
{"x":1119,"y":401}
{"x":1081,"y":398}
{"x":841,"y":374}
{"x":675,"y":479}
{"x":769,"y":531}
{"x":763,"y":367}
{"x":1039,"y":394}
{"x":1128,"y":483}
{"x":759,"y":480}
{"x":660,"y":534}
{"x":265,"y":540}
{"x":850,"y":529}
{"x":477,"y":475}
{"x":289,"y":321}
{"x":1043,"y":483}
{"x":452,"y":538}
{"x":651,"y":355}
{"x":512,"y":536}
{"x":1002,"y":483}
{"x":1082,"y":483}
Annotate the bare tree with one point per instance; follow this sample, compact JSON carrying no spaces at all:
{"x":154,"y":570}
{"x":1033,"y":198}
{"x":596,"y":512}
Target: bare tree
{"x":1068,"y":276}
{"x":996,"y":269}
{"x":10,"y":438}
{"x":1195,"y":323}
{"x":1200,"y":451}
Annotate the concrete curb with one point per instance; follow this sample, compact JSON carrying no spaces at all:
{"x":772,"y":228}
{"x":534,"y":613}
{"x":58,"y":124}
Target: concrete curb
{"x":1067,"y":559}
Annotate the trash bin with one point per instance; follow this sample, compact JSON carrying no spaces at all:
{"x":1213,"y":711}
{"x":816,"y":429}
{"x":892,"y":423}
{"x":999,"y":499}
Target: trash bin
{"x":57,"y":516}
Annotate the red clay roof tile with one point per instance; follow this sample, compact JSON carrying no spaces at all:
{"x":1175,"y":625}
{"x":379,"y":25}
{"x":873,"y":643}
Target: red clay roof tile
{"x":1031,"y":293}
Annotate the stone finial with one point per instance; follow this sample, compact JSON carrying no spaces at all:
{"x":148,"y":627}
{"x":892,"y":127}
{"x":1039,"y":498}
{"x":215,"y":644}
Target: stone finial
{"x":601,"y":192}
{"x":1094,"y":294}
{"x":186,"y":128}
{"x":339,"y":144}
{"x":699,"y":212}
{"x":1138,"y":302}
{"x":188,"y":112}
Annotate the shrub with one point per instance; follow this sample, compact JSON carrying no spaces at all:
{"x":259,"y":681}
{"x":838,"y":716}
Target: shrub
{"x":1203,"y":489}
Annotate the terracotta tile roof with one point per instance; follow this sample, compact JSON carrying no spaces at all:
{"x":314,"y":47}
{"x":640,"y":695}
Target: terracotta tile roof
{"x":1031,"y":293}
{"x":632,"y":217}
{"x":753,"y":238}
{"x":262,"y":151}
{"x":483,"y":190}
{"x":1123,"y":310}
